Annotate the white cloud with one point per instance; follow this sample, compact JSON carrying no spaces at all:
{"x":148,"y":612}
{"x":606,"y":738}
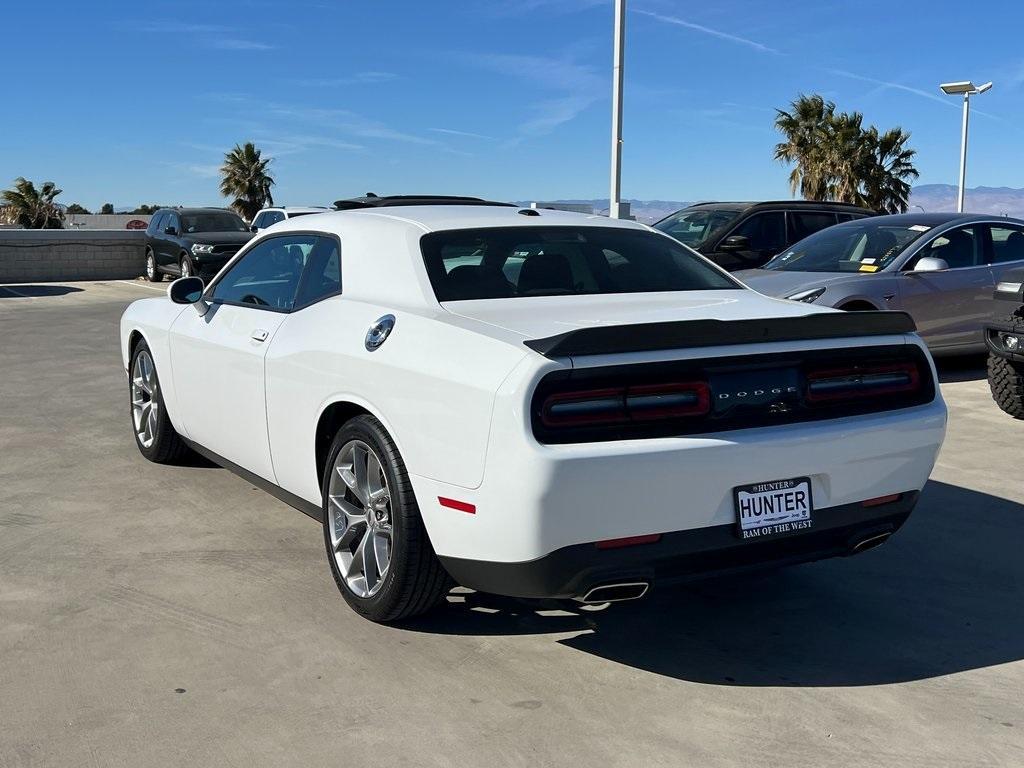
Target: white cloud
{"x":707,"y":31}
{"x":465,"y":134}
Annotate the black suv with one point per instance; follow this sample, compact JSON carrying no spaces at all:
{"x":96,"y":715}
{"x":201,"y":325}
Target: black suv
{"x":192,"y":241}
{"x":747,"y":235}
{"x":1006,"y":347}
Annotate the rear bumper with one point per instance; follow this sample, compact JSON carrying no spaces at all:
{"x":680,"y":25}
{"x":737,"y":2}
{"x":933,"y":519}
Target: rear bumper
{"x":683,"y":556}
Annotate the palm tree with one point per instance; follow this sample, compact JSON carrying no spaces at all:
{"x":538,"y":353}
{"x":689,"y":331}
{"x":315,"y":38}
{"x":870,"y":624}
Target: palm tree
{"x":33,"y":208}
{"x":835,"y":157}
{"x":805,"y":129}
{"x":244,"y":177}
{"x":891,"y":169}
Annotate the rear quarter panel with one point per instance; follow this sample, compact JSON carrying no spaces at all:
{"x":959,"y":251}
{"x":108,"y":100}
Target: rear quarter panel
{"x":432,"y":384}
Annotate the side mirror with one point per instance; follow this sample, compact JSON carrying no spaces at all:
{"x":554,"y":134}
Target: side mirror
{"x":170,"y":231}
{"x":930,"y":264}
{"x":189,"y":290}
{"x":254,"y":228}
{"x":735,"y":243}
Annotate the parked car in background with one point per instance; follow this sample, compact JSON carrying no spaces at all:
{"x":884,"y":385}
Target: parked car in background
{"x":942,"y":268}
{"x":192,"y":241}
{"x":270,"y":216}
{"x":532,"y":403}
{"x":1006,"y":346}
{"x":747,"y":235}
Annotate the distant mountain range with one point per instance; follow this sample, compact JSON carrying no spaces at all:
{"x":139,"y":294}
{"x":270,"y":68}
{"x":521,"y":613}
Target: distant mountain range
{"x":932,"y":197}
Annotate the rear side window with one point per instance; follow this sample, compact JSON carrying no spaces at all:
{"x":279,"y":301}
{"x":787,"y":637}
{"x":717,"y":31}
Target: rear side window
{"x":1007,"y":244}
{"x":805,"y":223}
{"x":509,"y":262}
{"x":321,"y":276}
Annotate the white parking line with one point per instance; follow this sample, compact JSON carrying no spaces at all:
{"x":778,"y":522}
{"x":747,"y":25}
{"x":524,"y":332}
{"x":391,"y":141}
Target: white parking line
{"x":137,"y":284}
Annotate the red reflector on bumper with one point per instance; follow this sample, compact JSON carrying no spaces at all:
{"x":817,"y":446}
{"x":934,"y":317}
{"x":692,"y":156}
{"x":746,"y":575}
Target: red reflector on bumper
{"x":461,"y":506}
{"x":628,"y":541}
{"x":880,"y":500}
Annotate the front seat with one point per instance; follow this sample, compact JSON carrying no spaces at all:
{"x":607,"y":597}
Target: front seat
{"x":545,"y":273}
{"x":1013,"y":250}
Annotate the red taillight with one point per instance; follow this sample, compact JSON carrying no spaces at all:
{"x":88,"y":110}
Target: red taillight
{"x":622,"y":405}
{"x":628,"y":541}
{"x":835,"y":384}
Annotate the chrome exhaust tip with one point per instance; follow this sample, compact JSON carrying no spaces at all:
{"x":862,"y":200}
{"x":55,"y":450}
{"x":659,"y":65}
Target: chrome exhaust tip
{"x":615,"y":593}
{"x":871,"y":542}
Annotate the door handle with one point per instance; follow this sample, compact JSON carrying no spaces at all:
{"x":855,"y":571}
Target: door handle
{"x":259,"y":335}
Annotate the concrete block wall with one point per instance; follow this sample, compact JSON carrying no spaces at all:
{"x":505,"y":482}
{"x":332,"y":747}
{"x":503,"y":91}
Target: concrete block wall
{"x":36,"y":256}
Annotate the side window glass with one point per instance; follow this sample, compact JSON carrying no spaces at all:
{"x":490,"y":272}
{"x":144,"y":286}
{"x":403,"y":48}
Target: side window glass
{"x":959,"y":248}
{"x":158,"y":224}
{"x":807,"y":223}
{"x":766,"y":231}
{"x":322,"y":274}
{"x":260,"y":221}
{"x":272,"y":217}
{"x":1007,"y":244}
{"x":172,"y":221}
{"x":267,"y":275}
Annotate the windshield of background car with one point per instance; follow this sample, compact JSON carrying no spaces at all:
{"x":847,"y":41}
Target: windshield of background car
{"x":858,"y":246}
{"x":507,"y":262}
{"x":212,"y":222}
{"x":694,"y":227}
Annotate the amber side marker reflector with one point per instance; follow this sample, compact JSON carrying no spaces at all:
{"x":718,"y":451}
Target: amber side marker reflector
{"x":628,"y":541}
{"x":461,"y":506}
{"x":880,"y":500}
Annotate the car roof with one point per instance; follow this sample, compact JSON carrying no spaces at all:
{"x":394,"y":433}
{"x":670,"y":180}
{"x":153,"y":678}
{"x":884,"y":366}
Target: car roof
{"x":434,"y":218}
{"x":936,"y":218}
{"x":295,"y":208}
{"x":209,"y":209}
{"x":743,"y":206}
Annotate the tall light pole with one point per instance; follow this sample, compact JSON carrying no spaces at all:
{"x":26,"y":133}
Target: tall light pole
{"x":615,"y":198}
{"x":967,"y":89}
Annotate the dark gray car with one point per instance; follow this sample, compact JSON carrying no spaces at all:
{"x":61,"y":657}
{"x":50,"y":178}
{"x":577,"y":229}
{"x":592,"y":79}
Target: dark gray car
{"x":942,"y":268}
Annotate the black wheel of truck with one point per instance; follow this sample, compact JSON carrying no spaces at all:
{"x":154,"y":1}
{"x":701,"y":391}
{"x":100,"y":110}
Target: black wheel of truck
{"x":1006,"y":380}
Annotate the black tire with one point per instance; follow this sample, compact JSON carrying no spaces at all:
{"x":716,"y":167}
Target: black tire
{"x":1006,"y":380}
{"x":415,"y":581}
{"x":187,"y":268}
{"x":152,"y":271}
{"x":167,"y":446}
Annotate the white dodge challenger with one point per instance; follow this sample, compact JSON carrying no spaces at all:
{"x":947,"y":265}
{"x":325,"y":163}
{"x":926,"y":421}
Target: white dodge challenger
{"x":532,"y":403}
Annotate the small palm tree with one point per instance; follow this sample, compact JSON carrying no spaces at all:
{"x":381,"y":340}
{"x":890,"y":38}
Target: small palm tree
{"x":33,"y":208}
{"x":891,"y":169}
{"x":244,"y":177}
{"x":805,"y":129}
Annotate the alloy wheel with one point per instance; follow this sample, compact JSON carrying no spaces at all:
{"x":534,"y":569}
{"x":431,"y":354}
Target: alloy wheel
{"x":360,"y":518}
{"x":144,"y":399}
{"x":150,"y":267}
{"x":186,"y":268}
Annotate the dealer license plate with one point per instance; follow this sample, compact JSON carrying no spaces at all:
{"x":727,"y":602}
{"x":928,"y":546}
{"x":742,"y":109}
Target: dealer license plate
{"x":775,"y":508}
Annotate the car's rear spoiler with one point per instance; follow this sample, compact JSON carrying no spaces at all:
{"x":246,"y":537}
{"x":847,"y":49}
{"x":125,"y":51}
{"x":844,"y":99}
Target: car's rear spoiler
{"x":646,"y":337}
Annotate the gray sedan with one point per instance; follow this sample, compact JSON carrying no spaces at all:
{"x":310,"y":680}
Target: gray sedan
{"x":942,"y":268}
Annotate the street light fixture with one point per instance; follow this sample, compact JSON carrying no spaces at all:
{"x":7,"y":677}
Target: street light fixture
{"x":967,"y":89}
{"x":618,"y":51}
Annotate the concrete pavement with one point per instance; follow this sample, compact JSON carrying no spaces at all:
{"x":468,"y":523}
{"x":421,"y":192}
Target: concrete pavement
{"x":167,"y":616}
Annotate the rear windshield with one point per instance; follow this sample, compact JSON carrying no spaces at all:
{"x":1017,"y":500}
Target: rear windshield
{"x":507,"y":262}
{"x":212,"y":222}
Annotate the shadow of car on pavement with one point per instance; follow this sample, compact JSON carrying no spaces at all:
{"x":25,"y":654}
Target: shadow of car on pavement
{"x":943,"y":596}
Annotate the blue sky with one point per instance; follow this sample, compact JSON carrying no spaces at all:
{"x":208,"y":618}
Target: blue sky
{"x":133,"y":102}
